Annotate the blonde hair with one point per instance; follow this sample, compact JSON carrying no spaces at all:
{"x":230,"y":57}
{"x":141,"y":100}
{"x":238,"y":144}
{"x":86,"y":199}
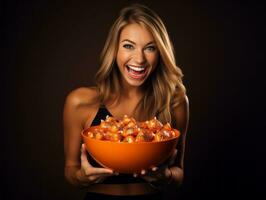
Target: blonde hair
{"x":164,"y":88}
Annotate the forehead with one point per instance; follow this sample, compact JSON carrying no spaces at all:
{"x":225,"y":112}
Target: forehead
{"x":136,"y":33}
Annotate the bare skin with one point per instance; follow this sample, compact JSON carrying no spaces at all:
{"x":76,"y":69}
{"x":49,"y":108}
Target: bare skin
{"x":78,"y":170}
{"x":78,"y":109}
{"x":81,"y":108}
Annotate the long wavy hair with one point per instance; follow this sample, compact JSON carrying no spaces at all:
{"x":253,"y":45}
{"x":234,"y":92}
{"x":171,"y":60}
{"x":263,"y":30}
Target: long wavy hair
{"x":164,"y":89}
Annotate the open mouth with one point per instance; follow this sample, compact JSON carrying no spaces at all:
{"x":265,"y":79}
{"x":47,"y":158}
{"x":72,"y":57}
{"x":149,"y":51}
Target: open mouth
{"x":136,"y":72}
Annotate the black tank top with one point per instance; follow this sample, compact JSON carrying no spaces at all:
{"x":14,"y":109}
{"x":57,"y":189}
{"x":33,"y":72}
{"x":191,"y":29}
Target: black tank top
{"x":121,"y":178}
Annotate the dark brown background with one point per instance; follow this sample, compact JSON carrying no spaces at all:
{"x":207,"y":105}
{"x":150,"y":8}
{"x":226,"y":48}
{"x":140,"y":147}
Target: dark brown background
{"x":50,"y":48}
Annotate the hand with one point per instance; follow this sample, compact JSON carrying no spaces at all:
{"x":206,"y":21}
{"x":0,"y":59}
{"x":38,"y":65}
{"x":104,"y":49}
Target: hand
{"x":161,"y":174}
{"x":88,"y":174}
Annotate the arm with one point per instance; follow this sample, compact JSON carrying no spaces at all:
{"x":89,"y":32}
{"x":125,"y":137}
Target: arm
{"x":171,"y":173}
{"x":78,"y":170}
{"x":180,"y":118}
{"x":72,"y":121}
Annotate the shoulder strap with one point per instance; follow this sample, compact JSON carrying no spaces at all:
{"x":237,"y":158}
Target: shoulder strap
{"x":101,"y":115}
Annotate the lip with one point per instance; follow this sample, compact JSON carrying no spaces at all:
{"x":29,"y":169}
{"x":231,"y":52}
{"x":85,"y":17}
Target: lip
{"x":136,"y":76}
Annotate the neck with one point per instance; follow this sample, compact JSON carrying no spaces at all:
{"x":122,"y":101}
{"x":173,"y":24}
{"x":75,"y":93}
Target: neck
{"x":129,"y":91}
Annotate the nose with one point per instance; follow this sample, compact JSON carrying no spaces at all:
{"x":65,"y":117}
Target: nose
{"x":139,"y":57}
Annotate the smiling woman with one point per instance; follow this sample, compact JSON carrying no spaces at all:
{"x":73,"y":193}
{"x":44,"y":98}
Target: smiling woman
{"x":137,"y":55}
{"x":138,"y":77}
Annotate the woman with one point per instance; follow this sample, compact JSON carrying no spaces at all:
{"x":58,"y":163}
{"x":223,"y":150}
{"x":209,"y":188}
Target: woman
{"x":137,"y":77}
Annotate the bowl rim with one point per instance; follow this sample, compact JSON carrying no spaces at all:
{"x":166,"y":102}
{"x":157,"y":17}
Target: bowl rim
{"x":108,"y":141}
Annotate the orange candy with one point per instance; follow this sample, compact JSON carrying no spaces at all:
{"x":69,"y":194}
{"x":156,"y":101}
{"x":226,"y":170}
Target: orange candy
{"x":129,"y":130}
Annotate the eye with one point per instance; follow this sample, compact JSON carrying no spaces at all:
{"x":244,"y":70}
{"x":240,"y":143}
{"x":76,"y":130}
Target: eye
{"x":128,"y":46}
{"x":151,"y":48}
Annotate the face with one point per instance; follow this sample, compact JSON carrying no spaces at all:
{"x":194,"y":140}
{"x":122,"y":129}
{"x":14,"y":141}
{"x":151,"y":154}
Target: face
{"x":137,"y":54}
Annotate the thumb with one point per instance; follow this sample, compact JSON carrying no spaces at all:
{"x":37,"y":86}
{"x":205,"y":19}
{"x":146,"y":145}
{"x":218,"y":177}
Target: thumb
{"x":83,"y":157}
{"x":172,"y":158}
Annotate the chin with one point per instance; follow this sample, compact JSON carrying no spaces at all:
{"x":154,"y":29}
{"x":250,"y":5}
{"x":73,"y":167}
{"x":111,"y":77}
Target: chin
{"x":135,"y":83}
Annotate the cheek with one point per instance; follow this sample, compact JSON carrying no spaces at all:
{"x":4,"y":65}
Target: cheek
{"x":153,"y":59}
{"x":121,"y":58}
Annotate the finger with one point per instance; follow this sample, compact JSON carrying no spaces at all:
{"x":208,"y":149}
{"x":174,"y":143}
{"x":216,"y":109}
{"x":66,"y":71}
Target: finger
{"x":173,"y":157}
{"x":100,"y":171}
{"x":83,"y":157}
{"x":149,"y":178}
{"x":116,"y":173}
{"x":154,"y":169}
{"x":99,"y":178}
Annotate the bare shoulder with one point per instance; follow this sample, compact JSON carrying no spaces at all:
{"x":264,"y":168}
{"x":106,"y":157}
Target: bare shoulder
{"x":80,"y":105}
{"x":184,"y":103}
{"x":82,"y":96}
{"x":181,"y":114}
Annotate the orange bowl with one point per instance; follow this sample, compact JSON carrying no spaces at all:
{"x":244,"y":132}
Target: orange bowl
{"x":125,"y":157}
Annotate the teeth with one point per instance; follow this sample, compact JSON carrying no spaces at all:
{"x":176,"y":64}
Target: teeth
{"x":138,"y":69}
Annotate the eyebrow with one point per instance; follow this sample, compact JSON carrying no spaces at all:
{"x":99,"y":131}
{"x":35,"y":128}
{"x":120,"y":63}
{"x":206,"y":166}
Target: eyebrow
{"x":127,"y":40}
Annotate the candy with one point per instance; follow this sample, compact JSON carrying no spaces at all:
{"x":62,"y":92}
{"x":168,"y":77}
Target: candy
{"x":130,"y":131}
